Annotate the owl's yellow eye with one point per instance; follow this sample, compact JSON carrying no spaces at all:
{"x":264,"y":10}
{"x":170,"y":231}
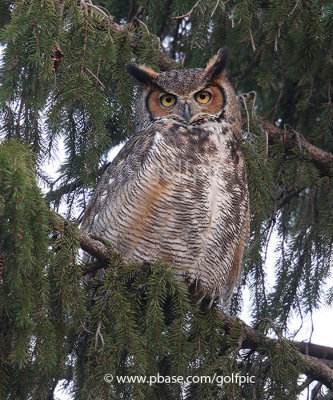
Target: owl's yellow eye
{"x":202,"y":97}
{"x":168,"y":100}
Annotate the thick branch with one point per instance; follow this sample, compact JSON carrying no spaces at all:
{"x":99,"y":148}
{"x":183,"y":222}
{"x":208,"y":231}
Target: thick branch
{"x":252,"y":339}
{"x":90,"y":246}
{"x":323,"y":160}
{"x":314,"y":368}
{"x":318,"y":370}
{"x":315,"y":350}
{"x":94,"y":248}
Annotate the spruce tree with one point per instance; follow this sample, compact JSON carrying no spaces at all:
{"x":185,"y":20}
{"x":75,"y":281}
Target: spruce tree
{"x":63,"y":80}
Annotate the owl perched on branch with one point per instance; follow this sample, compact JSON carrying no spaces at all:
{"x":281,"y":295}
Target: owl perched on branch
{"x":177,"y":191}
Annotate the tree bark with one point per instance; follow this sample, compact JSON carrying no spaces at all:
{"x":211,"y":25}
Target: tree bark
{"x":322,"y":159}
{"x":309,"y":352}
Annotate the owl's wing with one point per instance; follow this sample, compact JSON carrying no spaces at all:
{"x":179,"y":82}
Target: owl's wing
{"x":121,"y":170}
{"x":236,"y":269}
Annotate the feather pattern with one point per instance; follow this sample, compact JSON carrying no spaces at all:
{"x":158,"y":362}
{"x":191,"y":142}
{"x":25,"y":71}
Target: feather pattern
{"x":152,"y":205}
{"x":177,"y":191}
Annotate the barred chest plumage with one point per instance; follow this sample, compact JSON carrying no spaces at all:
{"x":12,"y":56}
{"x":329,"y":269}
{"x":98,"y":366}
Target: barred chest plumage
{"x":184,"y":206}
{"x":177,"y":191}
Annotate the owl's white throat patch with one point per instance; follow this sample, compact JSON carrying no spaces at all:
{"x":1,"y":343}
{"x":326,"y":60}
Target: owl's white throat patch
{"x":157,"y":137}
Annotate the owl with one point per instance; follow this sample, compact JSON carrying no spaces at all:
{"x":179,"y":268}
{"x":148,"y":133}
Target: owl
{"x":177,"y":191}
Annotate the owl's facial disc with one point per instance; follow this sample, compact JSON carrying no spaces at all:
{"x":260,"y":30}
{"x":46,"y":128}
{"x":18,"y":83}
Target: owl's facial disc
{"x":186,"y":108}
{"x":188,"y":96}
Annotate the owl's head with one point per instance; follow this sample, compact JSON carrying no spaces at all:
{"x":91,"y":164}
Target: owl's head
{"x":189,"y":96}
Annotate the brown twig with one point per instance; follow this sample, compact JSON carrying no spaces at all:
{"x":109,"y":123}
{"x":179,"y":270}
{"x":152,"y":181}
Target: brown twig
{"x":90,"y":72}
{"x":85,"y":38}
{"x":1,"y":266}
{"x":274,"y":109}
{"x":215,"y":8}
{"x":190,"y":12}
{"x":250,"y":33}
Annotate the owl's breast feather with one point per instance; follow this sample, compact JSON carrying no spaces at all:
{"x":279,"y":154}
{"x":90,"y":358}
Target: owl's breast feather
{"x":177,"y":196}
{"x":194,"y":145}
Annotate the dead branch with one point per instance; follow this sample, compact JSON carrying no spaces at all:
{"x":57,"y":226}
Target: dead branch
{"x":190,"y":12}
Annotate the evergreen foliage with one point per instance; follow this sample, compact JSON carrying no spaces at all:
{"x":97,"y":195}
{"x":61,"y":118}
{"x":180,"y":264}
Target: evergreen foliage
{"x":63,"y":80}
{"x":27,"y":336}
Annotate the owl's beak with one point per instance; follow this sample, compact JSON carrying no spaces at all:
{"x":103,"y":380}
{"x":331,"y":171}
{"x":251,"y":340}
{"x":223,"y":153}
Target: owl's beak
{"x":187,"y":113}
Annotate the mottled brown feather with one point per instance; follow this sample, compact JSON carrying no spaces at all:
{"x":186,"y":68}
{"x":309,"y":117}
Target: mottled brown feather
{"x":178,"y":191}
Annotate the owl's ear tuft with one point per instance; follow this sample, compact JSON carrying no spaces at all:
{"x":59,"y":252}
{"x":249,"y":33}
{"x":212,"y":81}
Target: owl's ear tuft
{"x":216,"y":66}
{"x":144,"y":75}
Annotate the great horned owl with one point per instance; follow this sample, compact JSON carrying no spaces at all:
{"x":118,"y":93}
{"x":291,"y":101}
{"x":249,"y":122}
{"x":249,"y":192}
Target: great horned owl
{"x":177,"y":191}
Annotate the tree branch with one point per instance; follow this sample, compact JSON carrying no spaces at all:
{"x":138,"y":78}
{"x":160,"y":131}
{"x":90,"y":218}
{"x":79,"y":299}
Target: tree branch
{"x":190,"y":12}
{"x":249,"y":68}
{"x":252,"y":339}
{"x":312,"y":367}
{"x":166,"y":63}
{"x":318,"y":370}
{"x":93,"y":247}
{"x":315,"y":350}
{"x":322,"y":159}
